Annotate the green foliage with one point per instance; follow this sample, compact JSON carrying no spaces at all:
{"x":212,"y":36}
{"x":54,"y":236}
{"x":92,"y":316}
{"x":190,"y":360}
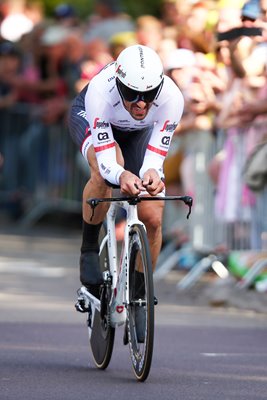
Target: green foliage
{"x":137,"y":7}
{"x":85,"y":7}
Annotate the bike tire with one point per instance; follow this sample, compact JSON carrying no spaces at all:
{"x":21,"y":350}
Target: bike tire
{"x":140,"y":353}
{"x":102,"y":336}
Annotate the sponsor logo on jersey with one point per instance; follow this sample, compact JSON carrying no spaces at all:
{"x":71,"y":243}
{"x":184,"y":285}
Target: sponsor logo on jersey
{"x":100,"y":124}
{"x":111,"y":78}
{"x":102,"y":136}
{"x":168,"y":127}
{"x":116,"y":104}
{"x":166,"y":140}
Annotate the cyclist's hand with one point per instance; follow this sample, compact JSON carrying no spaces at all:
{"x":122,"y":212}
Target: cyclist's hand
{"x":152,"y":182}
{"x":130,"y":184}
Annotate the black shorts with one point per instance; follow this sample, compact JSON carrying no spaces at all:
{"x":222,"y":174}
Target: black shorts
{"x":133,"y":144}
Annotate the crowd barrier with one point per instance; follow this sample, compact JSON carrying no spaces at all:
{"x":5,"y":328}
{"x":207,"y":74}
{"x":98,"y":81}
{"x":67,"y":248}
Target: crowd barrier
{"x":237,"y":238}
{"x":43,"y":170}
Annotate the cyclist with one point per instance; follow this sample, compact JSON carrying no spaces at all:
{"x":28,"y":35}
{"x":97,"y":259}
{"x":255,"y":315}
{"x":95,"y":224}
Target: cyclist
{"x":123,"y":122}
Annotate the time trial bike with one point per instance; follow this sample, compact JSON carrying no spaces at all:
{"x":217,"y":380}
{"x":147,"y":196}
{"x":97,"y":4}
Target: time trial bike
{"x":123,"y":295}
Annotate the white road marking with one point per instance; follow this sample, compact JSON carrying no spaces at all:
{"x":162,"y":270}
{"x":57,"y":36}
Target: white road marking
{"x":29,"y":267}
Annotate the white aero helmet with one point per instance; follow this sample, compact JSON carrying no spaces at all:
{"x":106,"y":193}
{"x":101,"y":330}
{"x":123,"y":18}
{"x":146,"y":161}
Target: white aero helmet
{"x":139,"y":73}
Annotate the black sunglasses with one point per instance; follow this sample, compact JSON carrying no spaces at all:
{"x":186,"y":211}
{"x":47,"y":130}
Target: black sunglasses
{"x":133,"y":96}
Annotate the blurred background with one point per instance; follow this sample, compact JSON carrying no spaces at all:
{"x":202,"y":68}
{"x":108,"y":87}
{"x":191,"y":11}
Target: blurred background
{"x":215,"y":51}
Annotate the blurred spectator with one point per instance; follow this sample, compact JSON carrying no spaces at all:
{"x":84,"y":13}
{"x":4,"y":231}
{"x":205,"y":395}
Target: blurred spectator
{"x":21,"y":16}
{"x":120,"y":41}
{"x":165,"y":48}
{"x":66,"y":15}
{"x":97,"y":55}
{"x":197,"y":28}
{"x":174,"y":12}
{"x":74,"y":58}
{"x":108,"y":19}
{"x":234,"y":201}
{"x":149,"y":31}
{"x":180,"y":65}
{"x":10,"y":63}
{"x":173,"y":17}
{"x":222,"y":78}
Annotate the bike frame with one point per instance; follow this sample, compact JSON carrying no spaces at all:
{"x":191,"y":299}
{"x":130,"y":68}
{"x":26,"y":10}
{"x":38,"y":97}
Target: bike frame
{"x":119,"y":263}
{"x":119,"y":270}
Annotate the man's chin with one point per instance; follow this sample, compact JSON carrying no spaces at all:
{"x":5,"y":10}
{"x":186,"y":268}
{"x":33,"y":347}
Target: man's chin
{"x":139,"y":116}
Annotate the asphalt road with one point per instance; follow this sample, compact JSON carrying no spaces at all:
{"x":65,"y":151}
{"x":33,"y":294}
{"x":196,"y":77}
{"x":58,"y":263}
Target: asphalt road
{"x":200,"y":352}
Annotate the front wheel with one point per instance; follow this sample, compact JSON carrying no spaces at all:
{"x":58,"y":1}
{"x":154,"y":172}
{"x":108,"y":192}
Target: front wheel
{"x":140,"y":310}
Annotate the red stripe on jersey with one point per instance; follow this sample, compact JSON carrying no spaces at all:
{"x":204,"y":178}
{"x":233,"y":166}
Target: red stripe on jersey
{"x":107,"y":146}
{"x":158,"y":151}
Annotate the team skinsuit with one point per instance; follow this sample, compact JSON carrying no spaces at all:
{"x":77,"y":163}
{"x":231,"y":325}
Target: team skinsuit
{"x":99,"y":117}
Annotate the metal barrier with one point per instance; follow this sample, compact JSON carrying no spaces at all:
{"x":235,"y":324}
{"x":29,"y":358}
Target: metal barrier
{"x":213,"y":232}
{"x":42,"y":165}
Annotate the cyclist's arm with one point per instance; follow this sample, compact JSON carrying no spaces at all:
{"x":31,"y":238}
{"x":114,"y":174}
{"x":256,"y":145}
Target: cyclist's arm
{"x":98,"y":112}
{"x":169,"y":116}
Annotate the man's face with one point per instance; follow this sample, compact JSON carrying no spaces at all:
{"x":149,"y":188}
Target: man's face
{"x":138,"y":110}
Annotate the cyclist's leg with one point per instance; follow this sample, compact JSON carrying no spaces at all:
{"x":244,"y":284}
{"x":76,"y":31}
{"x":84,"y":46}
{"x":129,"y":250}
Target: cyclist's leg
{"x":95,"y":187}
{"x":152,"y":218}
{"x":90,"y":273}
{"x":133,"y":148}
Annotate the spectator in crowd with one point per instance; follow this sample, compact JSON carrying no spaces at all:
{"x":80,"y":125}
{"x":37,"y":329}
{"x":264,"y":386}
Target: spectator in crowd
{"x":107,"y":20}
{"x":10,"y":62}
{"x":21,"y":16}
{"x":66,"y":15}
{"x":234,"y":201}
{"x":222,"y":78}
{"x":149,"y":31}
{"x":120,"y":41}
{"x":97,"y":55}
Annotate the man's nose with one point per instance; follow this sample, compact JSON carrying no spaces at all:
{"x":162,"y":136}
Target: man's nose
{"x":141,"y":104}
